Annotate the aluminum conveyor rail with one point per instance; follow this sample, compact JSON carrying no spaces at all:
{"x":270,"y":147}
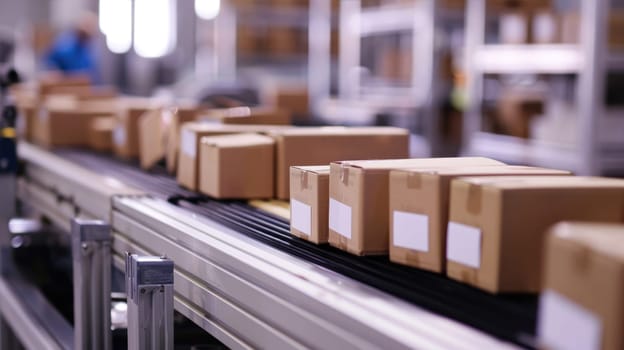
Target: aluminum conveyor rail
{"x":241,"y":276}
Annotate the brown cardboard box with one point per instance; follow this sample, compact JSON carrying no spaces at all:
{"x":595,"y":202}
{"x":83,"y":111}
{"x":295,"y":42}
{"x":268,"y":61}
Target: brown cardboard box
{"x":583,"y":290}
{"x":83,"y":92}
{"x":497,"y":225}
{"x":284,"y":41}
{"x":101,"y":133}
{"x":158,"y":133}
{"x":518,"y":5}
{"x":190,"y":136}
{"x":571,"y":28}
{"x":151,"y":135}
{"x":237,"y":166}
{"x":66,"y":123}
{"x":27,"y":104}
{"x":323,"y":145}
{"x":358,"y":203}
{"x":419,"y":209}
{"x":126,"y":133}
{"x":516,"y":109}
{"x":290,"y":97}
{"x":309,"y":200}
{"x":246,"y":115}
{"x":173,"y":137}
{"x":49,"y":83}
{"x":394,"y":64}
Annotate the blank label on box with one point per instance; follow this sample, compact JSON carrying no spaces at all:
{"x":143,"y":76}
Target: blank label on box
{"x":340,"y":218}
{"x":188,"y":143}
{"x":119,"y":135}
{"x":410,"y":231}
{"x":463,"y":244}
{"x":301,"y":216}
{"x":563,"y":324}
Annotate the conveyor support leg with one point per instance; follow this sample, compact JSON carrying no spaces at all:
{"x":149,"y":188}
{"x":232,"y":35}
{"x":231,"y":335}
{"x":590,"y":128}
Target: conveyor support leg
{"x":91,"y":251}
{"x":149,"y":285}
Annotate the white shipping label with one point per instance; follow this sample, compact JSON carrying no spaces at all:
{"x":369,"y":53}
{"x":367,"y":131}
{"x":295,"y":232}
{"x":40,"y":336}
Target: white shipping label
{"x":463,"y":244}
{"x":564,"y":325}
{"x":340,"y":217}
{"x":188,"y":143}
{"x":301,"y":216}
{"x":410,"y":231}
{"x":119,"y":135}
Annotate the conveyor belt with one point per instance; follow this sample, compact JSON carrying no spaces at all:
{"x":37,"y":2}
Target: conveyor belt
{"x":510,"y":317}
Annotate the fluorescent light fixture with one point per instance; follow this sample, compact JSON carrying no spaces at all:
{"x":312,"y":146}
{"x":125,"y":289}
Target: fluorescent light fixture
{"x":207,"y":9}
{"x":106,"y":15}
{"x":119,"y":33}
{"x":154,"y":27}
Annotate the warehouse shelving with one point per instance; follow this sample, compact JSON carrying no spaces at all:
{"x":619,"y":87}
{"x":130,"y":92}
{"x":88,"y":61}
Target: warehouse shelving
{"x":590,"y":60}
{"x":421,"y":94}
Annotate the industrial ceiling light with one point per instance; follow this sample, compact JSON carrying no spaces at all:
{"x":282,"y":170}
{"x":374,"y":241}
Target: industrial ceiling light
{"x":154,"y":27}
{"x":207,"y":9}
{"x":119,"y":32}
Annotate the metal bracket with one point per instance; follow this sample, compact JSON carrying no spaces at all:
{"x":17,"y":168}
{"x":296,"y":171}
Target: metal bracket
{"x":149,"y":286}
{"x":7,"y":212}
{"x":91,"y":251}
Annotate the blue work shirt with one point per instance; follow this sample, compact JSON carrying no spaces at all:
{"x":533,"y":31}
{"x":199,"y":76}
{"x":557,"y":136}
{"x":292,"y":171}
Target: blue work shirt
{"x":69,"y":55}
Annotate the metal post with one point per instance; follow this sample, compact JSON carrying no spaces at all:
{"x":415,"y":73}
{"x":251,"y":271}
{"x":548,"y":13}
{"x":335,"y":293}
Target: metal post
{"x":591,"y":83}
{"x":349,"y":56}
{"x":319,"y":52}
{"x":475,"y":38}
{"x":91,"y":251}
{"x":149,"y":286}
{"x":7,"y":211}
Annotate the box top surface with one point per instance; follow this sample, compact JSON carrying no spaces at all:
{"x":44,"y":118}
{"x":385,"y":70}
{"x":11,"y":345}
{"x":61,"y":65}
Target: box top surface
{"x":237,"y":140}
{"x":605,"y":239}
{"x":484,"y":170}
{"x":317,"y":169}
{"x":136,"y":102}
{"x":388,"y":164}
{"x":340,"y":131}
{"x":216,"y":127}
{"x":544,"y":182}
{"x":238,"y":112}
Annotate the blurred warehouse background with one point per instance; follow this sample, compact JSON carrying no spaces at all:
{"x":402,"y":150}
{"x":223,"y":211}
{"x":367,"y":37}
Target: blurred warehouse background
{"x":527,"y":81}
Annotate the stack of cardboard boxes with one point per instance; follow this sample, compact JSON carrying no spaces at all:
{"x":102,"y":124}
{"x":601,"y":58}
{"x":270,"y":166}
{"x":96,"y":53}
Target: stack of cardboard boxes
{"x":485,"y":224}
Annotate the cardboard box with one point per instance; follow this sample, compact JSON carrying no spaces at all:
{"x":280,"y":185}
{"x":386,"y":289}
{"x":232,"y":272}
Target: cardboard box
{"x":27,"y":105}
{"x":50,"y":82}
{"x":323,"y":145}
{"x":190,"y":136}
{"x":84,"y":92}
{"x":582,"y":302}
{"x":309,"y":202}
{"x":287,"y":96}
{"x":516,"y":109}
{"x":419,"y":209}
{"x":497,"y":225}
{"x":571,"y":28}
{"x":126,"y":133}
{"x":237,"y":166}
{"x":65,"y":123}
{"x":172,"y":138}
{"x":158,"y":133}
{"x":151,"y":135}
{"x":247,"y":115}
{"x":101,"y":133}
{"x":518,"y":5}
{"x":358,"y":203}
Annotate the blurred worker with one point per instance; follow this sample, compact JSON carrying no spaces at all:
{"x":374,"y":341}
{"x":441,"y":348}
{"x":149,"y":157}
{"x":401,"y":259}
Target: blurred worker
{"x":74,"y":51}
